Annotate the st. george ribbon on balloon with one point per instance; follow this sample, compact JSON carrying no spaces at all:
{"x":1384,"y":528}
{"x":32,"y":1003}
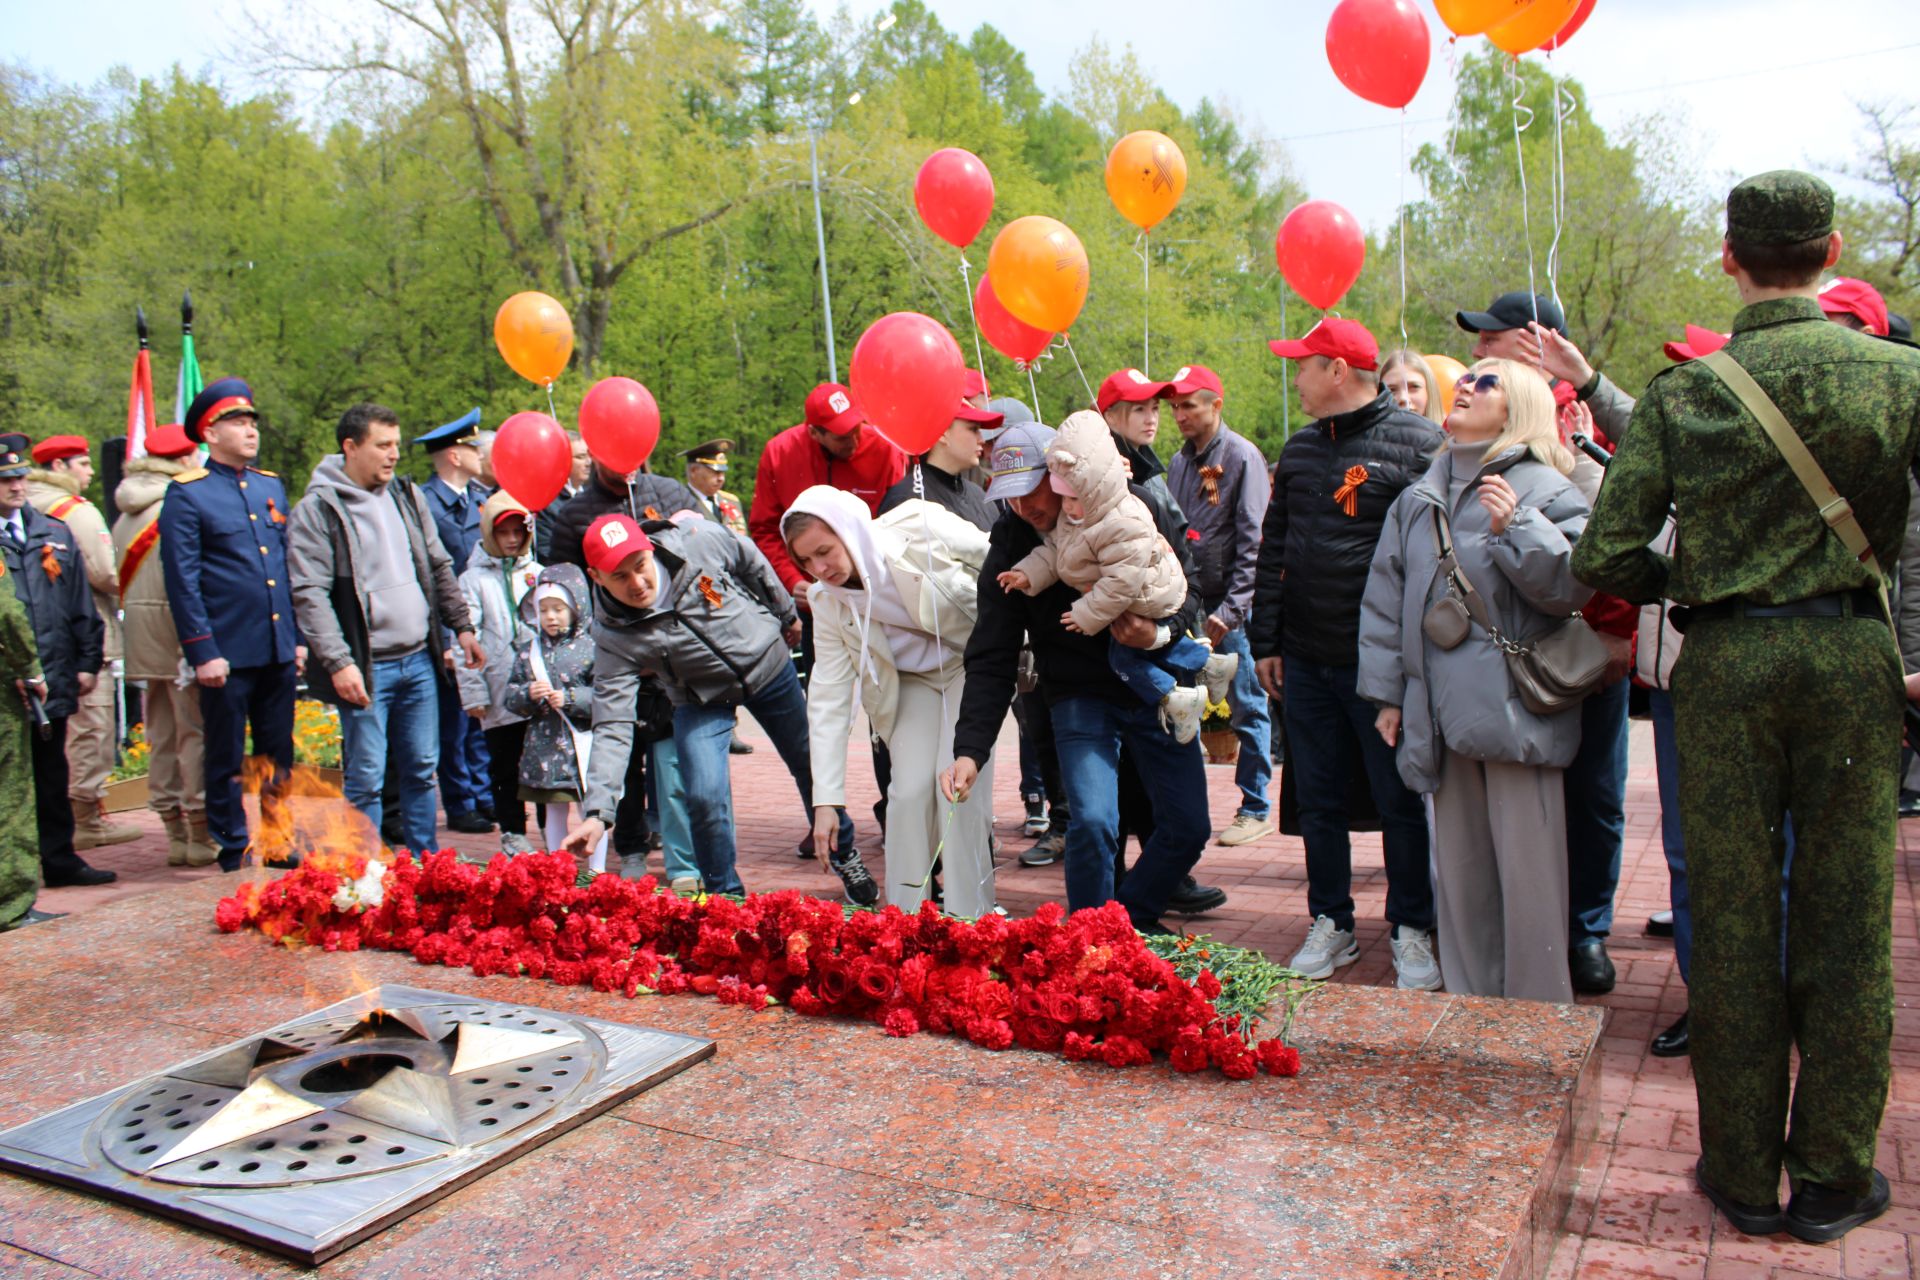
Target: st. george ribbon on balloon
{"x":1320,"y":250}
{"x":908,"y":373}
{"x":1039,"y":272}
{"x":531,"y":458}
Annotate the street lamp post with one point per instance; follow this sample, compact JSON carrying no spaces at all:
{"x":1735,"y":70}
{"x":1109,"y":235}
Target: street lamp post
{"x":819,"y":222}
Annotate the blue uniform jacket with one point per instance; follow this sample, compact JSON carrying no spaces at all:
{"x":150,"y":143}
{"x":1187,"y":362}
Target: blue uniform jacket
{"x":223,"y":548}
{"x":456,"y":517}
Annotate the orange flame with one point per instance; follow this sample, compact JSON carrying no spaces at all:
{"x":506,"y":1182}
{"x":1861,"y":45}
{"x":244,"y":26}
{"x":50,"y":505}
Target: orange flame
{"x":309,"y":816}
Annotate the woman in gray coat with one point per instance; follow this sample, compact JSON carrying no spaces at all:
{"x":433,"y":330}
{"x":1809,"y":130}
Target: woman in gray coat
{"x":1492,"y":767}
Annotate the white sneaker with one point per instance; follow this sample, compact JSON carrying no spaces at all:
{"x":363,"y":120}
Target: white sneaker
{"x":512,"y":844}
{"x":1325,"y":950}
{"x":1218,"y":675}
{"x":1182,"y":711}
{"x":1245,"y":828}
{"x":1413,"y":959}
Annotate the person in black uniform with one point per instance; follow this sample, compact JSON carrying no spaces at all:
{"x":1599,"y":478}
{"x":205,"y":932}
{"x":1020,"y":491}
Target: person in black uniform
{"x":223,"y":549}
{"x":454,"y":494}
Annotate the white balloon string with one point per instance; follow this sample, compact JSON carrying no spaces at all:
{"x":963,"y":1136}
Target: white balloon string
{"x":1286,"y":397}
{"x":1143,"y":247}
{"x":1403,"y":229}
{"x":1562,"y":101}
{"x":1035,"y":390}
{"x":1454,"y":166}
{"x":1077,"y":369}
{"x":551,"y":411}
{"x":979,"y":361}
{"x":1520,"y":161}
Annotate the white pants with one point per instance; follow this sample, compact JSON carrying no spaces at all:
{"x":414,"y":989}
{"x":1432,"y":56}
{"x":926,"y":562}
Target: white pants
{"x":556,"y":832}
{"x":917,"y":814}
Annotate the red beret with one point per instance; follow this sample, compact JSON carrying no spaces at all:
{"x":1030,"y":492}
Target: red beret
{"x":169,"y":441}
{"x":55,"y":447}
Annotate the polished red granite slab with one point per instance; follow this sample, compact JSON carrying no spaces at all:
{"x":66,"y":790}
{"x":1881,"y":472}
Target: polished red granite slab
{"x":1429,"y":1135}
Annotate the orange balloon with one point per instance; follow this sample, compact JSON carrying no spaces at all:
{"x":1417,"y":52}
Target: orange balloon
{"x":535,"y":336}
{"x":1446,"y":372}
{"x":1039,"y":272}
{"x":1538,"y":23}
{"x":1146,"y":176}
{"x":1471,"y":17}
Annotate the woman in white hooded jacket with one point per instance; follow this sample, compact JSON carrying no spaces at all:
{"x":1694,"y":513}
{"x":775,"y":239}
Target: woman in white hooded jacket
{"x":893,"y":604}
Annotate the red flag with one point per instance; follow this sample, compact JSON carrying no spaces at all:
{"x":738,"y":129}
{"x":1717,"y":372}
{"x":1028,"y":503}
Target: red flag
{"x":140,"y":405}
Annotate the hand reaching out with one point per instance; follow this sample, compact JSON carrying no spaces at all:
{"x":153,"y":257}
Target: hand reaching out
{"x":1014,"y":580}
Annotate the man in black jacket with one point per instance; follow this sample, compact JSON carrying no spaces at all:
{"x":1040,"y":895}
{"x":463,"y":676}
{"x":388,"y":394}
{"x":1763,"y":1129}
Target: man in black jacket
{"x":49,"y":578}
{"x":1094,"y":715}
{"x":1334,"y":484}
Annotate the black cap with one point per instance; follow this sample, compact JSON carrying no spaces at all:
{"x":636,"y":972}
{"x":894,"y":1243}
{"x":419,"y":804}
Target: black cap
{"x":1900,"y":327}
{"x":15,"y":456}
{"x":1514,"y":311}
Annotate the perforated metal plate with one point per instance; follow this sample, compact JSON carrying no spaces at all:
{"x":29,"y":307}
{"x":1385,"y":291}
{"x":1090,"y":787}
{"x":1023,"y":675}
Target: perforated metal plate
{"x":317,"y":1133}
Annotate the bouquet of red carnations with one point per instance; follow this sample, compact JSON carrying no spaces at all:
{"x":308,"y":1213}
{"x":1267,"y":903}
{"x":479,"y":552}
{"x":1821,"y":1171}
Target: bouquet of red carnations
{"x":1083,"y":985}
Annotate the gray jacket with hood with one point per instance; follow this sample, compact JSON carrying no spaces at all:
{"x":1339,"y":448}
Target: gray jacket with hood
{"x":712,"y":637}
{"x":1462,"y":699}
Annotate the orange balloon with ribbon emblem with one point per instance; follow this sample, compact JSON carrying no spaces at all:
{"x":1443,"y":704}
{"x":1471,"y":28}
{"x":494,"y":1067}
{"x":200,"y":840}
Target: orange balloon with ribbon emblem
{"x":1472,"y":17}
{"x":535,"y":336}
{"x":1146,"y":176}
{"x":1039,"y":272}
{"x":1533,"y":26}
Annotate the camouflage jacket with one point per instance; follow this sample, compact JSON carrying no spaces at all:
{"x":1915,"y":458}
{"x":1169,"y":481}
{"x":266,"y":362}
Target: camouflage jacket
{"x":1746,"y":527}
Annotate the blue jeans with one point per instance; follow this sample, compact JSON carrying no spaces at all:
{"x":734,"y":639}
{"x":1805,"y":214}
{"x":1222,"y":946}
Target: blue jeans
{"x":1595,"y":786}
{"x":463,"y":752}
{"x":1666,"y":764}
{"x":676,"y":834}
{"x":404,"y":718}
{"x":1253,"y":773}
{"x":1154,"y":673}
{"x":1325,"y":720}
{"x":701,"y":735}
{"x":1088,"y":733}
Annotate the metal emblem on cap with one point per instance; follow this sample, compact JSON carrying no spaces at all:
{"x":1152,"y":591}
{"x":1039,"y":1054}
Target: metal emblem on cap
{"x":838,"y":401}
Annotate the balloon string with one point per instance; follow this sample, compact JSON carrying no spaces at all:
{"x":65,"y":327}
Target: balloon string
{"x":979,"y":361}
{"x":1143,"y":247}
{"x":1076,"y":367}
{"x":1286,"y":399}
{"x":1562,"y":100}
{"x":1454,"y":166}
{"x":551,"y":411}
{"x":1035,"y":390}
{"x":1404,"y":344}
{"x":1520,"y":161}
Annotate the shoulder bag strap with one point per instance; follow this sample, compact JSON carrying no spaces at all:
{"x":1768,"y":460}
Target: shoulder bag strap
{"x":1450,"y":565}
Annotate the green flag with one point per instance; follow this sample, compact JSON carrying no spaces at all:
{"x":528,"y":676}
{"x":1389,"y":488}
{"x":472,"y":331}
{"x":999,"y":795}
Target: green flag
{"x":190,"y":380}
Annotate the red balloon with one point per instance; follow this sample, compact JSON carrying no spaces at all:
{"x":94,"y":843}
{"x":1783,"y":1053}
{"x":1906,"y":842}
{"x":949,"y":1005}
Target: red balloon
{"x":954,"y":193}
{"x":1005,"y":332}
{"x":1578,"y":20}
{"x":531,"y":459}
{"x":1379,"y":49}
{"x":620,"y":423}
{"x":1320,"y":249}
{"x":907,"y":373}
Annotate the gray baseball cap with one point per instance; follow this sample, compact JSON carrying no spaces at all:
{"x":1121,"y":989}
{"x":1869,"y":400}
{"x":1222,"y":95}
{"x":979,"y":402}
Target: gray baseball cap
{"x":1012,"y":413}
{"x":1018,"y":461}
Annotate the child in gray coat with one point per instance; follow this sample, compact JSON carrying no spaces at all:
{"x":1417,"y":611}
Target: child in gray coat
{"x":552,"y":685}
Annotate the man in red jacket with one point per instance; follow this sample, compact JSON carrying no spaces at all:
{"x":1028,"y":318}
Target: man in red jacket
{"x":835,"y":445}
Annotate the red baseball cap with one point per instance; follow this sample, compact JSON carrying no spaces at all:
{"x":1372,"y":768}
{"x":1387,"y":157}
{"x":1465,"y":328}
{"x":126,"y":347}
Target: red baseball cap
{"x":832,"y":408}
{"x":611,"y":540}
{"x":1129,"y":385}
{"x":972,"y":383}
{"x":1335,"y":338}
{"x":1700,"y":342}
{"x":1195,"y":377}
{"x":169,"y":441}
{"x":987,"y":418}
{"x":54,"y":447}
{"x":1848,"y":297}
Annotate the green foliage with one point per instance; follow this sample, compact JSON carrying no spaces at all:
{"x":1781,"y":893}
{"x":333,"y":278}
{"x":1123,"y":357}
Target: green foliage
{"x":650,"y":167}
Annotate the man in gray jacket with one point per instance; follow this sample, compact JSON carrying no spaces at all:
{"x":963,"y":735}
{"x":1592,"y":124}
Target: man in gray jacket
{"x":698,"y":607}
{"x":372,"y":587}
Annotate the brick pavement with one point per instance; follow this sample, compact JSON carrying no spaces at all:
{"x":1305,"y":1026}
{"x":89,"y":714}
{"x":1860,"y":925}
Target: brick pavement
{"x":1636,"y":1215}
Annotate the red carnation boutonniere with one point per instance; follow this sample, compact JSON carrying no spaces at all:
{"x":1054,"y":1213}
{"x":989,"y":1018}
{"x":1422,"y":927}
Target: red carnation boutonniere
{"x":50,"y":562}
{"x":708,"y":591}
{"x":1210,"y":483}
{"x":1193,"y":535}
{"x":1348,"y":494}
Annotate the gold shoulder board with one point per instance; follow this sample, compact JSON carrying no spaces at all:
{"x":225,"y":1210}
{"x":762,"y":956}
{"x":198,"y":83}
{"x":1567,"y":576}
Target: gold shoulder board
{"x":196,"y":473}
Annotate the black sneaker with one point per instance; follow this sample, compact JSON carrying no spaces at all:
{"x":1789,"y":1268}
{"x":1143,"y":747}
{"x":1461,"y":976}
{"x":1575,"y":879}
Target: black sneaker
{"x":1046,"y":851}
{"x":469,"y":822}
{"x":853,"y":873}
{"x":1193,"y":898}
{"x":1036,"y":815}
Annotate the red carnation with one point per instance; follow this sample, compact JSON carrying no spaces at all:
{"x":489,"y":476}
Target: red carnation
{"x":1277,"y":1059}
{"x":1207,"y":985}
{"x":901,"y":1022}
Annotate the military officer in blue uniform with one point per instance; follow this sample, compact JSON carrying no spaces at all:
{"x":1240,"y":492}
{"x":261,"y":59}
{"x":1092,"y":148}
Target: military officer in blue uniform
{"x":50,"y":580}
{"x":223,"y":549}
{"x":454,"y":496}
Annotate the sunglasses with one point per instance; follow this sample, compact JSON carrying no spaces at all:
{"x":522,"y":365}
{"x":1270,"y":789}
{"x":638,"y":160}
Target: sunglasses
{"x":1485,"y":382}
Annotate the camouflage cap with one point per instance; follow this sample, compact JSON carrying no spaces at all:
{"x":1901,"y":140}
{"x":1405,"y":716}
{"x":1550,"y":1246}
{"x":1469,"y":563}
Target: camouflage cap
{"x":1784,"y":206}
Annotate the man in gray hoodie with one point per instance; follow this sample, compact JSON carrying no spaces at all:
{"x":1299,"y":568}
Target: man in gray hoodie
{"x":372,"y":587}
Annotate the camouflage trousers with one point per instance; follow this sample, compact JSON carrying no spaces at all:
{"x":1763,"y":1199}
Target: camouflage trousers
{"x":1779,"y":715}
{"x":19,"y":833}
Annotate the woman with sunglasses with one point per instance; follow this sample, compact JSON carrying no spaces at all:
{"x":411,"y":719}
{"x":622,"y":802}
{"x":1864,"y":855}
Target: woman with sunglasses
{"x":1498,"y":494}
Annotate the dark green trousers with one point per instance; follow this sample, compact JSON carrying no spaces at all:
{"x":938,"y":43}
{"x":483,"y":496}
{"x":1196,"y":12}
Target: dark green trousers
{"x":19,"y":836}
{"x":1771,"y":716}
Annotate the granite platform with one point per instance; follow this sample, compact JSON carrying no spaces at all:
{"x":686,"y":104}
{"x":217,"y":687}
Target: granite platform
{"x":1428,"y":1135}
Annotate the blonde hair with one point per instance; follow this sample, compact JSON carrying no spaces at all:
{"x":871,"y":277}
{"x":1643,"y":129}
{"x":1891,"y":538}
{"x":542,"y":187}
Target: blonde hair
{"x":1417,"y":364}
{"x":1531,"y":415}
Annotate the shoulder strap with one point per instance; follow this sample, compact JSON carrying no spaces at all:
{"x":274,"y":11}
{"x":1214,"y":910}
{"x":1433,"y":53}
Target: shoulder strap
{"x":1834,"y":509}
{"x":1449,"y":565}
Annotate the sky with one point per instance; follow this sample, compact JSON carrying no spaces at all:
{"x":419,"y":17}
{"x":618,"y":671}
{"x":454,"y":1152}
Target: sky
{"x":1758,"y":84}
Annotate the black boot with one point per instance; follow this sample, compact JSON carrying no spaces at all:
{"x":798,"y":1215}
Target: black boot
{"x":1671,"y":1043}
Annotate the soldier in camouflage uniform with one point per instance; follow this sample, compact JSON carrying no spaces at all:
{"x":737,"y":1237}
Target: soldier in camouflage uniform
{"x":19,"y":678}
{"x":1787,"y":697}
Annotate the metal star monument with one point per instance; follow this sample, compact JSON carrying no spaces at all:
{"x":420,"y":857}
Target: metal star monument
{"x":318,"y":1133}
